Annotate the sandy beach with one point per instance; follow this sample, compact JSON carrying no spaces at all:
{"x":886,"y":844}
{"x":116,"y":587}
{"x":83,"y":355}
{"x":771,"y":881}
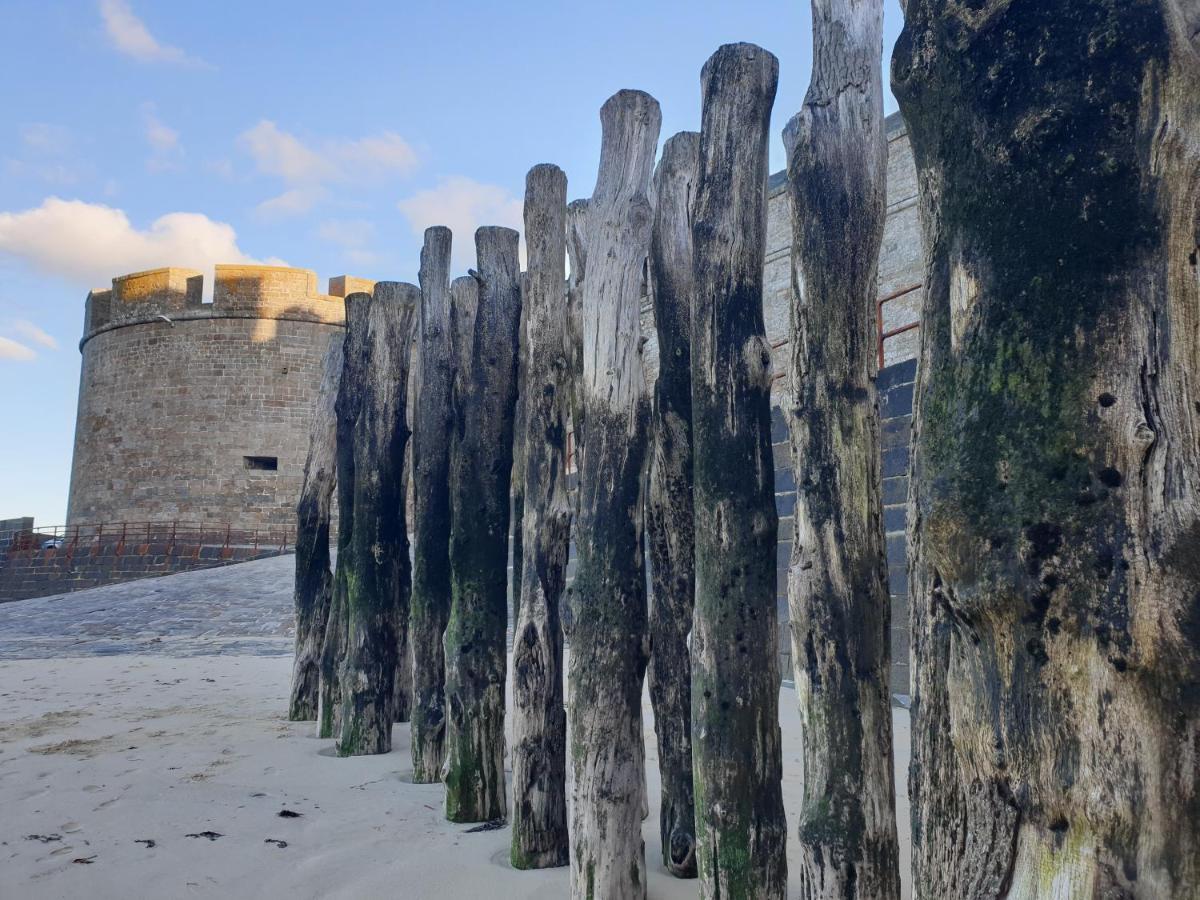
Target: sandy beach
{"x":152,"y":774}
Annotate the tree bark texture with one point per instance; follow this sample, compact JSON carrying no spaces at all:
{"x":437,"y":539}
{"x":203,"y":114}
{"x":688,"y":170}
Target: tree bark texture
{"x":314,"y":578}
{"x":1055,"y":527}
{"x":539,"y":765}
{"x":609,"y":640}
{"x":518,"y":468}
{"x":484,"y":396}
{"x":669,"y":504}
{"x":576,"y":219}
{"x":431,"y":476}
{"x":740,"y":827}
{"x":837,"y":580}
{"x":372,"y":433}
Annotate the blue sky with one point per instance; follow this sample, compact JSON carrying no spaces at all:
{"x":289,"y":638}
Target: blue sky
{"x":144,"y":133}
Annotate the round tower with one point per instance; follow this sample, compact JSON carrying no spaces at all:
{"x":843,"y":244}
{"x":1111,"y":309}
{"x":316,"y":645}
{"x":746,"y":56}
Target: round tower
{"x":199,"y":412}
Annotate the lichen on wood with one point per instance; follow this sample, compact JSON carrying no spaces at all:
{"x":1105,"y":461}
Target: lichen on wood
{"x":483,"y":400}
{"x":740,"y":827}
{"x":1055,"y":512}
{"x":609,"y":633}
{"x":669,"y":499}
{"x":373,"y":560}
{"x":314,"y":577}
{"x":837,"y":578}
{"x":432,"y":421}
{"x":539,"y":818}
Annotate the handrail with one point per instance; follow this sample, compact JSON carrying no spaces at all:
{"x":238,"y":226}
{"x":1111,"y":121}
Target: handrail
{"x":172,"y":533}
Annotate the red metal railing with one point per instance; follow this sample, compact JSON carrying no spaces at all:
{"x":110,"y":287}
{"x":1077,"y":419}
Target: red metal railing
{"x":884,"y":335}
{"x":134,"y":536}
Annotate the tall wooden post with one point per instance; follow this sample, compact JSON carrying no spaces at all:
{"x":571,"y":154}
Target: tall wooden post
{"x":480,"y":477}
{"x":669,"y":503}
{"x":314,"y":578}
{"x":609,"y":636}
{"x":372,"y":433}
{"x":837,"y":580}
{"x":539,"y":819}
{"x":1055,"y":518}
{"x":431,"y":476}
{"x":740,"y":827}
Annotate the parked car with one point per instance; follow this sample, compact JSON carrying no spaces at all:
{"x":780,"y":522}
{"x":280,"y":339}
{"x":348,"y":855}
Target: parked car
{"x":54,"y":543}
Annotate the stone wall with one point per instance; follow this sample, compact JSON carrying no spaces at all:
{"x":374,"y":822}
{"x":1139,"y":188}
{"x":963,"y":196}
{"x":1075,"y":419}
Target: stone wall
{"x":199,"y":412}
{"x":39,"y":572}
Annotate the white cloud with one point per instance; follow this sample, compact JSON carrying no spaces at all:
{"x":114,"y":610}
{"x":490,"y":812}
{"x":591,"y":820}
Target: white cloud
{"x":353,"y":236}
{"x":130,"y":36}
{"x":306,"y":170}
{"x":276,"y":152}
{"x":89,"y":243}
{"x":160,"y":136}
{"x":292,"y":202}
{"x":166,"y":152}
{"x":11,"y":350}
{"x":462,"y":205}
{"x":46,"y":139}
{"x":47,"y":154}
{"x":380,"y":155}
{"x":346,"y":232}
{"x":31,"y":332}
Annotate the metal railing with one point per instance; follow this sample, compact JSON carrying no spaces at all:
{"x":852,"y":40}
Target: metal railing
{"x":138,"y":537}
{"x":892,"y":332}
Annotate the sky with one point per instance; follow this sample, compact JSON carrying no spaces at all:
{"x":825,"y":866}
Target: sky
{"x":147,"y":133}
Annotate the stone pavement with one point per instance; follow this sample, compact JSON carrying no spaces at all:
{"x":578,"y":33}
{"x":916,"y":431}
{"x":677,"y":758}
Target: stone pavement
{"x":242,"y":609}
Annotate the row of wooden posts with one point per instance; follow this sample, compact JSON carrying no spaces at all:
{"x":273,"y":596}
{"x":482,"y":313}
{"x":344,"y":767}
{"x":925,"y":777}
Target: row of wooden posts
{"x":1054,"y":517}
{"x":506,"y":365}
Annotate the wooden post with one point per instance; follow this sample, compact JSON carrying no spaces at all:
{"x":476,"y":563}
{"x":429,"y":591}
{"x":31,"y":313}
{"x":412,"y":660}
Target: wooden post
{"x":609,"y":638}
{"x":372,"y":433}
{"x":1055,"y":508}
{"x":669,"y":503}
{"x":740,"y":827}
{"x":314,"y":579}
{"x":484,"y":397}
{"x":432,"y":421}
{"x":539,"y":820}
{"x":837,"y":579}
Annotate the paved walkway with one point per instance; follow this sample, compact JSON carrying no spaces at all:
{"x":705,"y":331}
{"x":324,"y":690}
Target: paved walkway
{"x":243,"y":609}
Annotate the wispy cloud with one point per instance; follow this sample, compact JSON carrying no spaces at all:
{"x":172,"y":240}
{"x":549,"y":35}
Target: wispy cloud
{"x":462,"y":205}
{"x":292,"y":202}
{"x":46,"y":139}
{"x":354,"y":236}
{"x":307,"y":169}
{"x":89,"y":243}
{"x":46,"y":152}
{"x":15,"y":351}
{"x":31,"y":332}
{"x":130,"y":36}
{"x":166,"y":151}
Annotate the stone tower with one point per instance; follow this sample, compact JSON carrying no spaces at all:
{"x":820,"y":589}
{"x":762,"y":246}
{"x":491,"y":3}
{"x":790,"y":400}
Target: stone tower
{"x":199,"y":412}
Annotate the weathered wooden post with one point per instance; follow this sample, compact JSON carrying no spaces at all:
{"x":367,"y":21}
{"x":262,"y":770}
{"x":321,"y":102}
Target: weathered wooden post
{"x":609,"y":637}
{"x":669,"y":503}
{"x":539,"y":819}
{"x":372,"y":433}
{"x":431,"y":477}
{"x":480,"y":477}
{"x":740,"y":827}
{"x":314,"y":579}
{"x":837,"y":580}
{"x":1055,"y":528}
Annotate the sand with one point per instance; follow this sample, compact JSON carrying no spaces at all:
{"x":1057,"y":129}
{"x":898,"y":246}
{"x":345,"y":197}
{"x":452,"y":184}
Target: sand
{"x":101,"y":756}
